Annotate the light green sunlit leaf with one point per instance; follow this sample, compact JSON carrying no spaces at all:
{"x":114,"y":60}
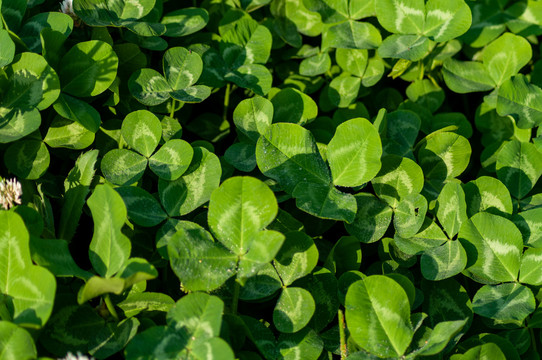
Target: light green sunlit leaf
{"x":493,"y":245}
{"x":110,"y":248}
{"x":238,"y":210}
{"x":378,"y":316}
{"x":88,"y":68}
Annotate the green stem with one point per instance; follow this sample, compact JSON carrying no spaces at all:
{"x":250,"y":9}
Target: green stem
{"x":111,"y":307}
{"x":342,"y":326}
{"x":4,"y":22}
{"x":173,"y":105}
{"x":235,"y":300}
{"x":226,"y":102}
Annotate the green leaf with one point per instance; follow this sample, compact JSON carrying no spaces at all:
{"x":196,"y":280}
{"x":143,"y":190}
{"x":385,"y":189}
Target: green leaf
{"x":519,"y":167}
{"x":157,"y":342}
{"x":372,"y":218}
{"x":192,"y":94}
{"x":88,"y":68}
{"x":199,"y":262}
{"x":359,"y":10}
{"x":484,"y":352}
{"x":149,"y":87}
{"x":265,"y":245}
{"x":293,"y":106}
{"x":16,"y":342}
{"x":52,"y":43}
{"x":242,"y":156}
{"x":136,"y":270}
{"x":398,"y":178}
{"x":487,"y":194}
{"x":29,"y":289}
{"x":288,"y":154}
{"x":529,"y":223}
{"x":143,"y":209}
{"x":294,"y":310}
{"x":142,"y":131}
{"x":107,"y":12}
{"x":262,"y":284}
{"x":297,"y":257}
{"x":113,"y":338}
{"x":145,"y":29}
{"x":31,"y":82}
{"x":344,"y":256}
{"x":410,"y":215}
{"x":55,"y":256}
{"x":466,"y":76}
{"x":305,"y":341}
{"x":71,"y":328}
{"x":185,"y":21}
{"x":426,"y":93}
{"x":401,"y":16}
{"x":444,"y":155}
{"x":452,"y":208}
{"x":331,"y":11}
{"x":440,"y":337}
{"x":76,"y":188}
{"x":529,"y":271}
{"x":315,"y":65}
{"x":172,"y":159}
{"x":325,"y":201}
{"x":7,"y":49}
{"x":182,"y":68}
{"x":343,"y":90}
{"x":307,"y":22}
{"x":430,"y":236}
{"x":28,"y":159}
{"x":239,"y":209}
{"x":254,"y":77}
{"x":493,"y":246}
{"x":199,"y":314}
{"x":110,"y":248}
{"x":446,"y":300}
{"x":353,"y":61}
{"x":374,"y":71}
{"x":194,"y":187}
{"x":123,"y":167}
{"x":253,"y":116}
{"x":522,"y":100}
{"x":57,"y":21}
{"x":446,"y":20}
{"x":244,"y":41}
{"x":378,"y":316}
{"x":444,"y":261}
{"x":505,"y":56}
{"x":323,"y":286}
{"x":351,"y":35}
{"x":64,"y":133}
{"x":145,"y":302}
{"x":97,"y":286}
{"x":408,"y":47}
{"x":17,"y":123}
{"x":504,"y":302}
{"x":78,"y":110}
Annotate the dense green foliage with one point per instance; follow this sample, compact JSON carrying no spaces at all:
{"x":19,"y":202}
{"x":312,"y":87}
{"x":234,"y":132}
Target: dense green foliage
{"x":271,"y":179}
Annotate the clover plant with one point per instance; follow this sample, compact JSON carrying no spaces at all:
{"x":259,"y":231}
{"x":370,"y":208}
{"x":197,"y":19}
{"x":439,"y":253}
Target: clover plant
{"x":270,"y":179}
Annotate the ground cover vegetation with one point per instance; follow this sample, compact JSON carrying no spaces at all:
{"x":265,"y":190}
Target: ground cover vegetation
{"x":270,"y":179}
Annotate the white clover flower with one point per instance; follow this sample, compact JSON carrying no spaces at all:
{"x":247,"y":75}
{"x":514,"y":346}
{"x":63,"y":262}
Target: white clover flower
{"x":10,"y":193}
{"x":78,"y":356}
{"x":66,"y":7}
